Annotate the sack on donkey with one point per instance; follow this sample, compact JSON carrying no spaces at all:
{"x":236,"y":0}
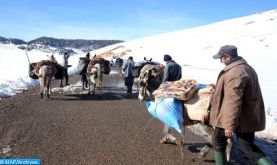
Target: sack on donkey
{"x":169,"y":111}
{"x":60,"y":71}
{"x":31,"y":71}
{"x":82,"y":66}
{"x":106,"y":67}
{"x":196,"y":108}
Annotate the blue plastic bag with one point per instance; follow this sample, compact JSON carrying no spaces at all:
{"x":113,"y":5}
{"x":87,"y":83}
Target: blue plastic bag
{"x":201,"y":86}
{"x":169,"y":111}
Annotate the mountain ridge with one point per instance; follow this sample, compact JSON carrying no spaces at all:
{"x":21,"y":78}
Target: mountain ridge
{"x":81,"y":44}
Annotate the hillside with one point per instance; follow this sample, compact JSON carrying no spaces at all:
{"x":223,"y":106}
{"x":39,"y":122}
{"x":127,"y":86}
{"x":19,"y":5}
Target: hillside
{"x":46,"y":42}
{"x":4,"y":40}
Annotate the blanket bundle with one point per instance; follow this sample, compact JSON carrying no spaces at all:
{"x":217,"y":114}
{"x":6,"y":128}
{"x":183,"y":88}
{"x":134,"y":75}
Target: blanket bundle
{"x":179,"y":103}
{"x":197,"y":107}
{"x":181,"y":89}
{"x":105,"y":65}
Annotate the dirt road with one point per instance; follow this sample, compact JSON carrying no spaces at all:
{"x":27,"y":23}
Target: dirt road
{"x":74,"y":128}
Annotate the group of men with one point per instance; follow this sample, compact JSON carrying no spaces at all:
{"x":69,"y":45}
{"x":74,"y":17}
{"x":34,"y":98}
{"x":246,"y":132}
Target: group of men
{"x":237,"y":106}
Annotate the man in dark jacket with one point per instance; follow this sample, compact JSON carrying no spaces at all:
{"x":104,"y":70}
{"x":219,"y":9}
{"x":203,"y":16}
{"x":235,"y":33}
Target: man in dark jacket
{"x":172,"y":71}
{"x":83,"y":73}
{"x":237,"y":106}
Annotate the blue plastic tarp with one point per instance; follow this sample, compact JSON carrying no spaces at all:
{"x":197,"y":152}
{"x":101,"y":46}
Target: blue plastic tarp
{"x":169,"y":111}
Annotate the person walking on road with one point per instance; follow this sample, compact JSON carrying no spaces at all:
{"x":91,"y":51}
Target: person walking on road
{"x":237,"y":107}
{"x":84,"y":78}
{"x":65,"y":67}
{"x":128,"y":74}
{"x":172,"y":72}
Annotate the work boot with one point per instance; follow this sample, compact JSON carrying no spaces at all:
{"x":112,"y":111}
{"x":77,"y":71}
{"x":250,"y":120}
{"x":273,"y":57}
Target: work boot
{"x":129,"y":90}
{"x":61,"y":84}
{"x":220,"y":158}
{"x":264,"y":161}
{"x":83,"y":84}
{"x":66,"y":81}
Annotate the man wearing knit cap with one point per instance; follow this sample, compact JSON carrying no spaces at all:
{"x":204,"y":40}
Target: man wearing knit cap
{"x":172,"y":71}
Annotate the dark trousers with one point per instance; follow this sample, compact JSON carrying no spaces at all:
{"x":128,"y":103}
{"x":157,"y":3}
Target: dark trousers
{"x":84,"y":80}
{"x":129,"y":81}
{"x":65,"y":76}
{"x":245,"y":140}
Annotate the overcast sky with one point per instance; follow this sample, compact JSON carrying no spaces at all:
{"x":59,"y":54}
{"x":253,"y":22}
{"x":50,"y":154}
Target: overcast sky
{"x":121,"y":19}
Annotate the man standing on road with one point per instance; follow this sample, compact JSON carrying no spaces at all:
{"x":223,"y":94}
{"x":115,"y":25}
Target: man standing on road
{"x":237,"y":107}
{"x":84,"y":78}
{"x":128,"y":74}
{"x":65,"y":66}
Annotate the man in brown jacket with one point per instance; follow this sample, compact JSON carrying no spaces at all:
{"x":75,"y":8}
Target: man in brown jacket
{"x":237,"y":107}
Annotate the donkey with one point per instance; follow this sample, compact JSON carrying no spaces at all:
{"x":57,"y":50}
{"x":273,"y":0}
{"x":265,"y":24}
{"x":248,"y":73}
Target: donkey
{"x":46,"y":73}
{"x":95,"y":74}
{"x":150,"y":79}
